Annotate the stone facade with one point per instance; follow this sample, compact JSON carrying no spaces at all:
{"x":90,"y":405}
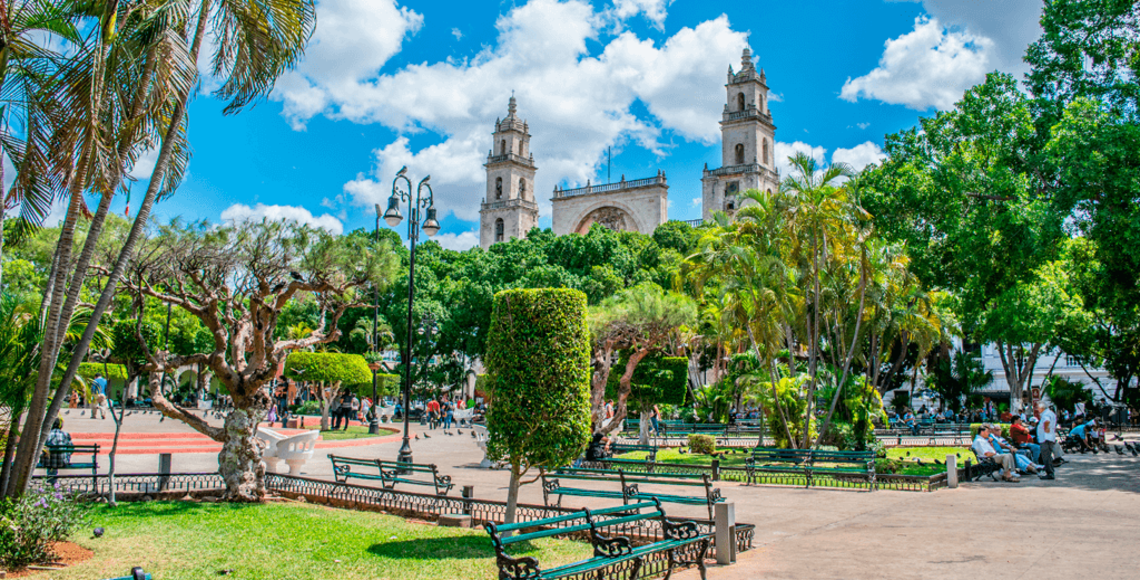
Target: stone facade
{"x":748,"y":140}
{"x":509,"y":210}
{"x":637,"y":206}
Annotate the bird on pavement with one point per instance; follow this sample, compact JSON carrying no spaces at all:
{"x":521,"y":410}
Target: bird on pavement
{"x":417,"y":437}
{"x":426,"y":436}
{"x":1119,"y":449}
{"x":1134,"y":450}
{"x":473,"y":435}
{"x":1117,"y":438}
{"x":459,"y":431}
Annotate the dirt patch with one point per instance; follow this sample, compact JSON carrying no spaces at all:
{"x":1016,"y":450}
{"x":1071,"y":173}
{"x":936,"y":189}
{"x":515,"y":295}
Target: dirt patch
{"x":66,"y":554}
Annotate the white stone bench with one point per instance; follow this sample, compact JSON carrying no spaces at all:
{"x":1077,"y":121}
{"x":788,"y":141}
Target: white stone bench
{"x":480,"y":432}
{"x":462,"y":416}
{"x":294,"y":450}
{"x":385,"y":414}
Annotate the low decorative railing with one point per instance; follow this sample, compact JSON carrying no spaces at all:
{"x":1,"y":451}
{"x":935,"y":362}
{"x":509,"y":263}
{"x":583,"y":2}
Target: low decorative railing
{"x":589,"y":189}
{"x":510,"y":203}
{"x":510,"y":157}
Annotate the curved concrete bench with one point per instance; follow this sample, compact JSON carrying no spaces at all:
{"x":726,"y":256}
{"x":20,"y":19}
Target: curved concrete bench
{"x":294,"y":450}
{"x":462,"y":416}
{"x":269,"y":454}
{"x":385,"y":414}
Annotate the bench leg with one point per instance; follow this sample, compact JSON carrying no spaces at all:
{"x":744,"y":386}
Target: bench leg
{"x":672,"y":563}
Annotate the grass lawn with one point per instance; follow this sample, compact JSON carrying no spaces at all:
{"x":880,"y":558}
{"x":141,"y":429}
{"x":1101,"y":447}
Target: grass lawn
{"x":191,"y":541}
{"x":354,"y":432}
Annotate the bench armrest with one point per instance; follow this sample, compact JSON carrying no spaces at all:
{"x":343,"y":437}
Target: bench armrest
{"x":516,"y":568}
{"x":680,"y":530}
{"x":610,"y":547}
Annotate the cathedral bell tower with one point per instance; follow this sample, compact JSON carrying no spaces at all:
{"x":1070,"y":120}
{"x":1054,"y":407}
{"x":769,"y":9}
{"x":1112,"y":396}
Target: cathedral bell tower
{"x":748,"y":140}
{"x":509,"y":210}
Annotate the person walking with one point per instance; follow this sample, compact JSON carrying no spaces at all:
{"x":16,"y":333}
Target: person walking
{"x":1047,"y":438}
{"x":448,"y":414}
{"x":99,"y":393}
{"x":654,"y":418}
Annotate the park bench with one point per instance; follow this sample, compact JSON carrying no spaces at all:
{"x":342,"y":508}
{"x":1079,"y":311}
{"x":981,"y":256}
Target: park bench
{"x":680,"y":429}
{"x":609,"y":550}
{"x":623,"y":448}
{"x":390,"y":473}
{"x":629,"y":489}
{"x":777,"y":460}
{"x":294,"y":450}
{"x":56,"y":457}
{"x":811,"y":462}
{"x":843,"y":463}
{"x":983,"y":466}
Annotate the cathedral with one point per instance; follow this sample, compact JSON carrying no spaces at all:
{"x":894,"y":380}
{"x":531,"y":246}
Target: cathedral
{"x":748,"y":140}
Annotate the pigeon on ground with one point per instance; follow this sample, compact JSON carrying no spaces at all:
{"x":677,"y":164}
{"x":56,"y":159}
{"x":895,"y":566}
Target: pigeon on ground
{"x":67,"y":412}
{"x":97,"y":532}
{"x":83,"y":413}
{"x":1134,"y":450}
{"x":937,"y":462}
{"x":472,"y":434}
{"x":426,"y":436}
{"x":417,"y":437}
{"x":1117,"y":438}
{"x":1119,"y":449}
{"x":908,"y":453}
{"x":918,"y":460}
{"x":682,"y":450}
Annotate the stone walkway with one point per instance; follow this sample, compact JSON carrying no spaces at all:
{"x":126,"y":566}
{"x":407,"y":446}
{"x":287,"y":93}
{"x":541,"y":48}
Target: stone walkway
{"x":1084,"y":524}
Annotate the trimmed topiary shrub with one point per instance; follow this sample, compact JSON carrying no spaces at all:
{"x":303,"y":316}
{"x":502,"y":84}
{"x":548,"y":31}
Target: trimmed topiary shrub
{"x":88,"y":370}
{"x":703,"y":444}
{"x":538,"y":376}
{"x":1003,"y":426}
{"x":336,"y":373}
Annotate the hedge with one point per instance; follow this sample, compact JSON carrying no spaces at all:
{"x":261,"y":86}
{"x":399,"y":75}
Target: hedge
{"x":351,"y":370}
{"x":1003,"y":426}
{"x":538,"y":375}
{"x":116,"y":372}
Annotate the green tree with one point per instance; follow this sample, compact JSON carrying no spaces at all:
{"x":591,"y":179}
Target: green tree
{"x":334,"y":374}
{"x":955,"y":378}
{"x":658,"y":380}
{"x":538,"y":373}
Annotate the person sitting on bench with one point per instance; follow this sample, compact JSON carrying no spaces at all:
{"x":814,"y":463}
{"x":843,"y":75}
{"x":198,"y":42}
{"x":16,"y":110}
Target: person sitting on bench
{"x":1021,"y":459}
{"x":1023,"y":439}
{"x":1080,"y":433}
{"x":599,"y":448}
{"x":57,"y":437}
{"x":984,"y":450}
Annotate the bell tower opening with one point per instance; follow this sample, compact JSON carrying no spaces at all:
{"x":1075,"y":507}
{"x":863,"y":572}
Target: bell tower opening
{"x":739,"y":101}
{"x":740,"y":154}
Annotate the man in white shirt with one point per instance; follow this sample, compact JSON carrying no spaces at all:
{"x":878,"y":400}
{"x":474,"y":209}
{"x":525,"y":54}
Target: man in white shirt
{"x":1047,"y":438}
{"x":983,"y":450}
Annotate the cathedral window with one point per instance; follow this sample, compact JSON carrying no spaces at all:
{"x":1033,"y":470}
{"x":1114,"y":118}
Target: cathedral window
{"x":522,"y":189}
{"x":499,"y":230}
{"x":766,"y":162}
{"x":760,"y":102}
{"x":503,"y":147}
{"x":740,"y":154}
{"x":739,"y":101}
{"x":498,"y":188}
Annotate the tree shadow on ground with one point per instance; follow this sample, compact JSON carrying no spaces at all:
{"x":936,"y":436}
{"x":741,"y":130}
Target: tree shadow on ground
{"x":457,"y":548}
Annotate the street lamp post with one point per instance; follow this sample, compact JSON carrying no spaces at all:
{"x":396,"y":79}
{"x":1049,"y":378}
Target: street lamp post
{"x":374,"y":421}
{"x":430,"y":226}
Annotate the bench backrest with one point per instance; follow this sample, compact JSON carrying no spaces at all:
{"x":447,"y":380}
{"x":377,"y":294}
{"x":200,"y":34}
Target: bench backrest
{"x":778,"y":454}
{"x":850,"y":457}
{"x":408,"y":467}
{"x":338,"y":459}
{"x":571,"y":522}
{"x":77,"y":449}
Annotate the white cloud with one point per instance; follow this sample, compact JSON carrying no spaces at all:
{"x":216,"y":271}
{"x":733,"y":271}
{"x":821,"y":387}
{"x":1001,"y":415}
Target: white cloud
{"x":353,"y":40}
{"x":577,"y":100}
{"x":859,"y":156}
{"x":786,"y":150}
{"x":654,"y":10}
{"x":243,"y":213}
{"x":458,"y":242}
{"x":695,"y":202}
{"x":144,"y":165}
{"x":929,"y":67}
{"x":862,"y":125}
{"x":457,"y":33}
{"x":1011,"y":24}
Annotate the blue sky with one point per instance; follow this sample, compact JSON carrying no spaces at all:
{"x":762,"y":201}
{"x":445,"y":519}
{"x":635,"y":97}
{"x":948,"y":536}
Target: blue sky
{"x":386,"y":84}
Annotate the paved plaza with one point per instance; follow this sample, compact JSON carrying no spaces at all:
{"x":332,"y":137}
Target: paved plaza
{"x":1084,"y":524}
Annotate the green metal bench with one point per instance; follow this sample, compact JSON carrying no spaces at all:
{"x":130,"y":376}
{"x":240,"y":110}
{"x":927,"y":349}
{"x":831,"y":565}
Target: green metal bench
{"x":56,"y":457}
{"x":609,"y":550}
{"x":840,"y":463}
{"x":623,"y":448}
{"x":389,"y":473}
{"x":677,"y":429}
{"x":629,"y":490}
{"x":777,"y":460}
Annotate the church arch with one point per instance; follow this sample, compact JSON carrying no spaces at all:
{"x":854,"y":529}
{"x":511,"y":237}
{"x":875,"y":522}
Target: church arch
{"x":740,"y":154}
{"x":498,"y":188}
{"x":522,"y":188}
{"x":608,"y":210}
{"x":503,"y":147}
{"x":499,"y":230}
{"x":739,"y":101}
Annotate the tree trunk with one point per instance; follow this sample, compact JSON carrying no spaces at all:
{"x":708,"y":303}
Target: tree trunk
{"x":643,"y":430}
{"x":114,"y":448}
{"x":239,"y":462}
{"x":9,"y":450}
{"x":624,"y":386}
{"x":513,"y":493}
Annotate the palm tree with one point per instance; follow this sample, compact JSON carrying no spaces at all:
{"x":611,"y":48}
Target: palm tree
{"x":257,"y":41}
{"x":113,"y":100}
{"x":28,"y":31}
